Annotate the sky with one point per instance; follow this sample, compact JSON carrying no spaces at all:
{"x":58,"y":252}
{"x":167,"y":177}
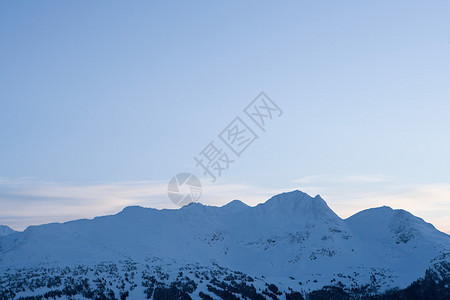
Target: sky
{"x":102,"y":103}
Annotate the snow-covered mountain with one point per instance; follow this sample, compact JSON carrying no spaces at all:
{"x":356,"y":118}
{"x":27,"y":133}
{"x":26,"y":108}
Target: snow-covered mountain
{"x":5,"y":230}
{"x":287,"y":247}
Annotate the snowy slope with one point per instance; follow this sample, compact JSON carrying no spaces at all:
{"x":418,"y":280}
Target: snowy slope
{"x":290,"y":238}
{"x":5,"y":230}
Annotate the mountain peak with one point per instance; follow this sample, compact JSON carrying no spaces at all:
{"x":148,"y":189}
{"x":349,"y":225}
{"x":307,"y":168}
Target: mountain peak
{"x":292,"y":195}
{"x":191,"y":204}
{"x":298,"y":202}
{"x":5,"y":230}
{"x":134,"y":211}
{"x":295,"y":197}
{"x":235,"y":206}
{"x":291,"y":235}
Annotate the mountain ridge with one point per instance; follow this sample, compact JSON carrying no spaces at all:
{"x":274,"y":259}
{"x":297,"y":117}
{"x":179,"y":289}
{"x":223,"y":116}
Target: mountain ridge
{"x":6,"y":230}
{"x":291,"y":235}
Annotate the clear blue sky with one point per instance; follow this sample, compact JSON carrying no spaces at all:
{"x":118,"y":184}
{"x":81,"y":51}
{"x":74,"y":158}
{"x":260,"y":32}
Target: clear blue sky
{"x":115,"y":91}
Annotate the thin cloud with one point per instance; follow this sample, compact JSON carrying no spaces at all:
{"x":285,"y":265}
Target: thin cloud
{"x":361,"y":178}
{"x":430,"y":201}
{"x":44,"y":201}
{"x":27,"y":202}
{"x":30,"y":202}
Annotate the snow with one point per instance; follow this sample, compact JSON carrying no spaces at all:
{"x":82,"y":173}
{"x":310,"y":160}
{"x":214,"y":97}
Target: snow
{"x":5,"y":230}
{"x":291,"y":235}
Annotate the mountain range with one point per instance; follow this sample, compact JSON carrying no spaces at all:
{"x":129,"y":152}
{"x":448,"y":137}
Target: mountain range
{"x":293,"y":246}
